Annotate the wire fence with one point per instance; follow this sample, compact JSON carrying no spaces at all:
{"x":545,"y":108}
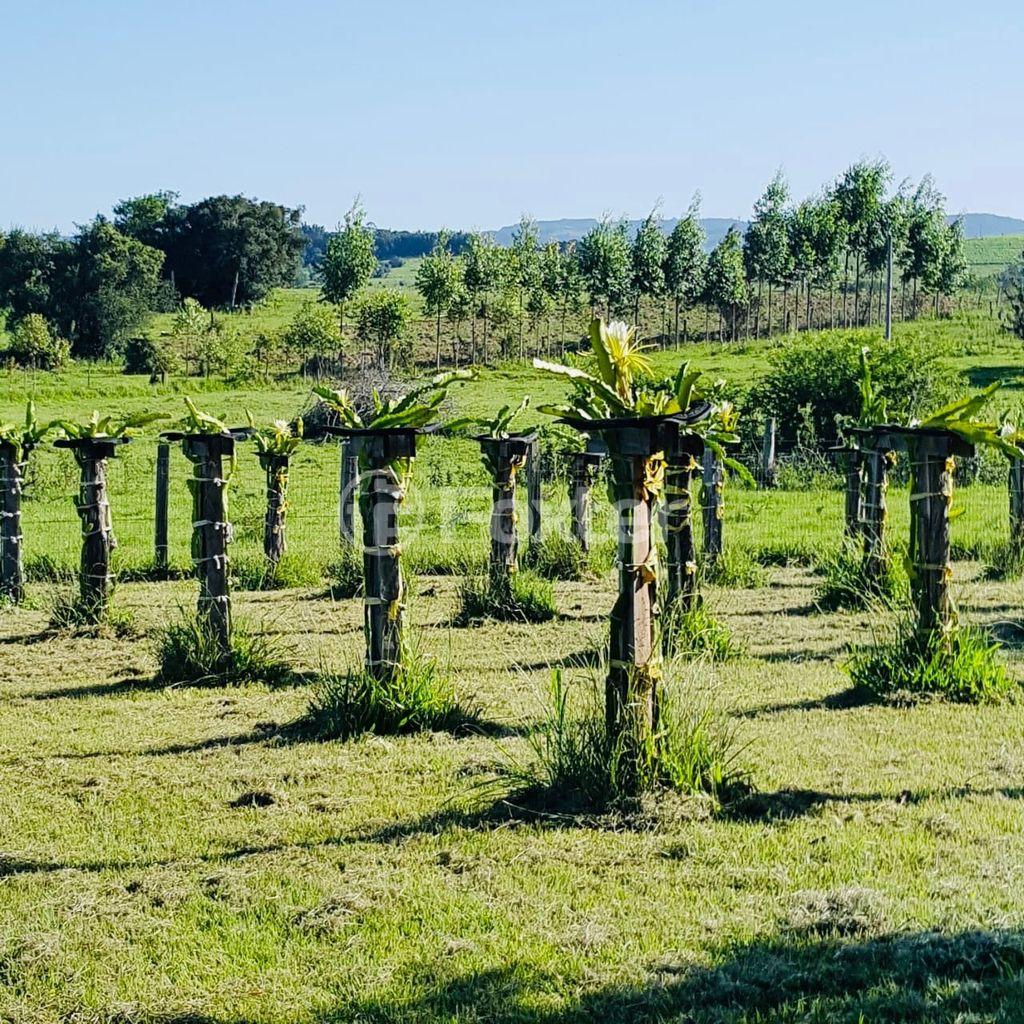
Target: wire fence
{"x":449,"y":500}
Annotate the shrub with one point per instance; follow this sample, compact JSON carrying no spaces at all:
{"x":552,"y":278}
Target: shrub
{"x":816,"y":379}
{"x":961,"y":667}
{"x":419,"y":697}
{"x":34,"y":344}
{"x":345,"y":572}
{"x":521,"y":597}
{"x":735,"y":567}
{"x":847,"y":586}
{"x":574,"y":765}
{"x":557,"y":557}
{"x":695,"y":632}
{"x":256,"y":572}
{"x":146,"y":355}
{"x":188,"y":655}
{"x":1003,"y":563}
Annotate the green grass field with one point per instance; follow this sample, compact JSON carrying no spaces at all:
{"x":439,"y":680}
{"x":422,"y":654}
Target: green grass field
{"x":988,"y":256}
{"x":175,"y":855}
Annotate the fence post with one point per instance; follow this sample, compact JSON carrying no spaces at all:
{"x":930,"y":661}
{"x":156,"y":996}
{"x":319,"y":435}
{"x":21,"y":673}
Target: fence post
{"x":932,"y":465}
{"x":768,"y":467}
{"x":582,"y":474}
{"x":876,"y":481}
{"x":349,"y":475}
{"x":12,"y":573}
{"x":533,"y":492}
{"x":1016,"y":484}
{"x":163,"y":478}
{"x":854,"y":508}
{"x":712,"y":482}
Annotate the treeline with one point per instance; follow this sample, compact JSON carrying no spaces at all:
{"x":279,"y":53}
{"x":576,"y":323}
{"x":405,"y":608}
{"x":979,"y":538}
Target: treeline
{"x":93,"y":292}
{"x":387,"y":244}
{"x":817,"y":262}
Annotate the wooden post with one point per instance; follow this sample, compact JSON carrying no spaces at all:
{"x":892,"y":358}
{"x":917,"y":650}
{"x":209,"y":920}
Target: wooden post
{"x":854,"y":510}
{"x":348,"y":485}
{"x":98,"y":542}
{"x":385,"y":459}
{"x":680,"y":545}
{"x":713,"y":506}
{"x":504,"y":458}
{"x":1016,"y":487}
{"x":876,"y":482}
{"x":163,"y":478}
{"x":768,"y":468}
{"x":211,"y":532}
{"x":12,"y":572}
{"x":582,"y":474}
{"x":533,"y":492}
{"x":932,"y":465}
{"x":276,"y":469}
{"x":631,"y":692}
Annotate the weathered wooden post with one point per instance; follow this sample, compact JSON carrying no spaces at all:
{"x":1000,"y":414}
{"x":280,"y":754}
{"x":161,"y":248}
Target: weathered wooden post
{"x":504,"y":458}
{"x":385,"y":458}
{"x":348,"y":485}
{"x":583,"y":472}
{"x":12,"y":572}
{"x":874,"y":462}
{"x":163,"y":478}
{"x":533,"y":491}
{"x":93,"y":505}
{"x":768,"y":468}
{"x":713,"y":504}
{"x":932,"y":454}
{"x":275,"y":467}
{"x":211,"y":529}
{"x":1016,"y":488}
{"x":636,"y":449}
{"x":681,"y":453}
{"x":854,"y":492}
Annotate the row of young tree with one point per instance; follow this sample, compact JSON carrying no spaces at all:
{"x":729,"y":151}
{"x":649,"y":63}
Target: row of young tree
{"x":818,"y":262}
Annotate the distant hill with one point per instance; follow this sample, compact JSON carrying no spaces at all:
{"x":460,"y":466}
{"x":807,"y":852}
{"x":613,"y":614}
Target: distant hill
{"x":989,"y":225}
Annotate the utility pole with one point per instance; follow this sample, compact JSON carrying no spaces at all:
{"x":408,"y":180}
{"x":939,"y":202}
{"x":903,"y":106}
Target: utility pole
{"x":888,"y":289}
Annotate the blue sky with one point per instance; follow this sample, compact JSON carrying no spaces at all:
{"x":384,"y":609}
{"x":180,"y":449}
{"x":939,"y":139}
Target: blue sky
{"x":467,"y":114}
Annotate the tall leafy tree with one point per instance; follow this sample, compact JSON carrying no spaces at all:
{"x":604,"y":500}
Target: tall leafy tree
{"x":148,"y":219}
{"x":231,"y":250}
{"x":523,"y":269}
{"x":603,"y":255}
{"x":725,"y":285}
{"x":647,"y":263}
{"x":28,"y":267}
{"x":766,"y":244}
{"x":348,"y":261}
{"x":438,"y":278}
{"x":383,"y":317}
{"x":859,"y":193}
{"x":685,"y":262}
{"x":921,"y":258}
{"x":481,"y":279}
{"x":106,"y":285}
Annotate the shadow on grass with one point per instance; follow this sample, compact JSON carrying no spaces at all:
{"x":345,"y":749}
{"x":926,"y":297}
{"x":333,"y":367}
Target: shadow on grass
{"x":844,"y":700}
{"x":911,"y":976}
{"x":129,"y":684}
{"x":589,"y":657}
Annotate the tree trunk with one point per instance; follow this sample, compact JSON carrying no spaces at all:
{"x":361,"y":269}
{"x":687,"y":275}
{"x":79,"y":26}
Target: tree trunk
{"x":757,"y":313}
{"x":211,"y":533}
{"x":846,"y":289}
{"x":713,"y":506}
{"x":856,"y":294}
{"x":12,"y":571}
{"x":276,"y":469}
{"x":768,"y":332}
{"x":676,"y":331}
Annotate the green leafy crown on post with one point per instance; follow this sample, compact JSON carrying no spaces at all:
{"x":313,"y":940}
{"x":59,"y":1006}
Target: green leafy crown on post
{"x":279,"y":439}
{"x":108,"y":427}
{"x":23,"y":437}
{"x":416,"y":409}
